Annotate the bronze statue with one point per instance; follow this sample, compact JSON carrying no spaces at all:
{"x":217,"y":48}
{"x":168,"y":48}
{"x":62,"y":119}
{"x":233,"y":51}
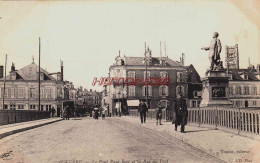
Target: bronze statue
{"x":214,"y":53}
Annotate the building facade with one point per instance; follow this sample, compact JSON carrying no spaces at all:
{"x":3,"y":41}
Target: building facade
{"x":244,"y":87}
{"x":125,"y":95}
{"x":22,"y":91}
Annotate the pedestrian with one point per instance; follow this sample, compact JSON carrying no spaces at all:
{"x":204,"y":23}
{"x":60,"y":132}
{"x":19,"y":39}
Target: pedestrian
{"x":104,"y":109}
{"x":181,"y":113}
{"x":68,"y":113}
{"x":52,"y":112}
{"x":158,"y":111}
{"x":65,"y":112}
{"x":96,"y":112}
{"x":142,"y":109}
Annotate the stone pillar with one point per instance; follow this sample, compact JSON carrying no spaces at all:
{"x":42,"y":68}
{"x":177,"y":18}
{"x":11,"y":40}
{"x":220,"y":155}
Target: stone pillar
{"x":215,"y":89}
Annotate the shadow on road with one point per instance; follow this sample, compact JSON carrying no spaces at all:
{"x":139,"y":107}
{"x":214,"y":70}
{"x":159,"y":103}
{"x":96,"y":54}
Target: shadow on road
{"x":199,"y":130}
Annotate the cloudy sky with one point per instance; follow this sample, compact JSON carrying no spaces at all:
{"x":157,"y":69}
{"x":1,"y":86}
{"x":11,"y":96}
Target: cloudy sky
{"x":88,"y":35}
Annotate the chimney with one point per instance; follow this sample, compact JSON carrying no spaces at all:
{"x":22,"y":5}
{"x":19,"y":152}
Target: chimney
{"x":13,"y":67}
{"x":182,"y":59}
{"x":61,"y":70}
{"x":1,"y":72}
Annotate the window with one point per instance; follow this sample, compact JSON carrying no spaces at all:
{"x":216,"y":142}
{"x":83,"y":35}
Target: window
{"x":41,"y":107}
{"x":238,"y":90}
{"x":246,"y":90}
{"x":245,"y":76}
{"x":13,"y":76}
{"x":6,"y":92}
{"x":254,"y":103}
{"x":20,"y":106}
{"x":48,"y":93}
{"x":12,"y":107}
{"x":12,"y":92}
{"x":163,"y":74}
{"x":254,"y":90}
{"x":48,"y":107}
{"x":131,"y":90}
{"x":20,"y":92}
{"x":179,"y":76}
{"x":32,"y":92}
{"x":131,"y":74}
{"x":32,"y":107}
{"x":180,"y":89}
{"x":42,"y":92}
{"x":198,"y":103}
{"x":193,"y":104}
{"x":163,"y":90}
{"x":237,"y":103}
{"x":6,"y":107}
{"x":145,"y":91}
{"x":59,"y":93}
{"x":230,"y":91}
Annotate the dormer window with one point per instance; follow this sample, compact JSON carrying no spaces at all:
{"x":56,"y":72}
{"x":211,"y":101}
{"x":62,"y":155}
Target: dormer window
{"x":13,"y":76}
{"x":245,"y":76}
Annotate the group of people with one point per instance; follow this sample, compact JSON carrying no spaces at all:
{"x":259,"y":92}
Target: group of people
{"x":180,"y":113}
{"x":97,"y":111}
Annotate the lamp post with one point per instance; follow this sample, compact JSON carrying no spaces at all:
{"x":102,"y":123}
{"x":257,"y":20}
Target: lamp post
{"x":145,"y":64}
{"x":119,"y":109}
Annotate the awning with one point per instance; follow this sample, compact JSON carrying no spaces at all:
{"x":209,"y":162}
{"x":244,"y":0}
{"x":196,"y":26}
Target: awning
{"x":132,"y":102}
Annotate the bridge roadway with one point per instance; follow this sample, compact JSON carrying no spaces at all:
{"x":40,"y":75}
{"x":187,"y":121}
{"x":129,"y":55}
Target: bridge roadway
{"x":88,"y":140}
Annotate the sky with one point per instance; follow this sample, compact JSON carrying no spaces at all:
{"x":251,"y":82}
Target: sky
{"x":87,"y":35}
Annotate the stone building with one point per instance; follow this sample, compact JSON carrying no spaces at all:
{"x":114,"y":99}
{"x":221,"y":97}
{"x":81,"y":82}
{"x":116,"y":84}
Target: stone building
{"x":194,"y":87}
{"x":244,"y":87}
{"x":122,"y":96}
{"x":21,"y":91}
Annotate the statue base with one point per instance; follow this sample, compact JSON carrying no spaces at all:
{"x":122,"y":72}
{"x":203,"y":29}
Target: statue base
{"x":215,"y":89}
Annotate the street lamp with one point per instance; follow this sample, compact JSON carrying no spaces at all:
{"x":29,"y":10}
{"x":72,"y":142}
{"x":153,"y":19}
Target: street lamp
{"x":145,"y":63}
{"x":119,"y":103}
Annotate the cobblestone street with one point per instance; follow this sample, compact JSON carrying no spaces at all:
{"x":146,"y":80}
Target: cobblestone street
{"x":89,"y":140}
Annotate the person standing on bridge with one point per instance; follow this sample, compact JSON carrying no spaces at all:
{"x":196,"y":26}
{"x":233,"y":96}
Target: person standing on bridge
{"x":142,"y":109}
{"x":181,"y":113}
{"x":158,"y":111}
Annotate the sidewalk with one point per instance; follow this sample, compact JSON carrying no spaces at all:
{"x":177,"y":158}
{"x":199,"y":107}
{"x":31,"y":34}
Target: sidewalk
{"x":225,"y":146}
{"x":6,"y":130}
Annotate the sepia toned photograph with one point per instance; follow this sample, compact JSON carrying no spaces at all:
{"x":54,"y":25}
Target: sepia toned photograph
{"x":130,"y":81}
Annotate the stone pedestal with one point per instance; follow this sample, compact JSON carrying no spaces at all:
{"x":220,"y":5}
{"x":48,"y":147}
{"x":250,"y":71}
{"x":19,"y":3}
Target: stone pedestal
{"x":215,"y":89}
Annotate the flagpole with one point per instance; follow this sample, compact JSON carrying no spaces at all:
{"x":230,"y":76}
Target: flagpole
{"x":39,"y":77}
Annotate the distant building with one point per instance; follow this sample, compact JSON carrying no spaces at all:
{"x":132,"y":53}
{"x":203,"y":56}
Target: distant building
{"x":194,"y":87}
{"x":244,"y":87}
{"x":21,"y":92}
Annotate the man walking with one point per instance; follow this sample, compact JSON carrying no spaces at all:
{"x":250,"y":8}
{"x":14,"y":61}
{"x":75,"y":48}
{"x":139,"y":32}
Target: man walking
{"x":181,"y":113}
{"x":142,"y":109}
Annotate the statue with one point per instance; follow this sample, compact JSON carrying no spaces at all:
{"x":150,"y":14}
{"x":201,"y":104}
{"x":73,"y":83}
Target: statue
{"x":214,"y":53}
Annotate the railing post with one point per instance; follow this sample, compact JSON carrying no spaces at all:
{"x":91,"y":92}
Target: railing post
{"x":199,"y":116}
{"x":216,"y":118}
{"x":239,"y":124}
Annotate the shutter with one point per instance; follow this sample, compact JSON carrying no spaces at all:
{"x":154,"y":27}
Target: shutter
{"x":150,"y":91}
{"x":167,"y":90}
{"x":183,"y":90}
{"x":143,"y":90}
{"x":178,"y":76}
{"x":160,"y":91}
{"x":133,"y":89}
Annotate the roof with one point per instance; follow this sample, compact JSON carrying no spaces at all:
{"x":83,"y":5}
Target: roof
{"x":193,"y":76}
{"x":237,"y":74}
{"x":136,"y":61}
{"x":29,"y":72}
